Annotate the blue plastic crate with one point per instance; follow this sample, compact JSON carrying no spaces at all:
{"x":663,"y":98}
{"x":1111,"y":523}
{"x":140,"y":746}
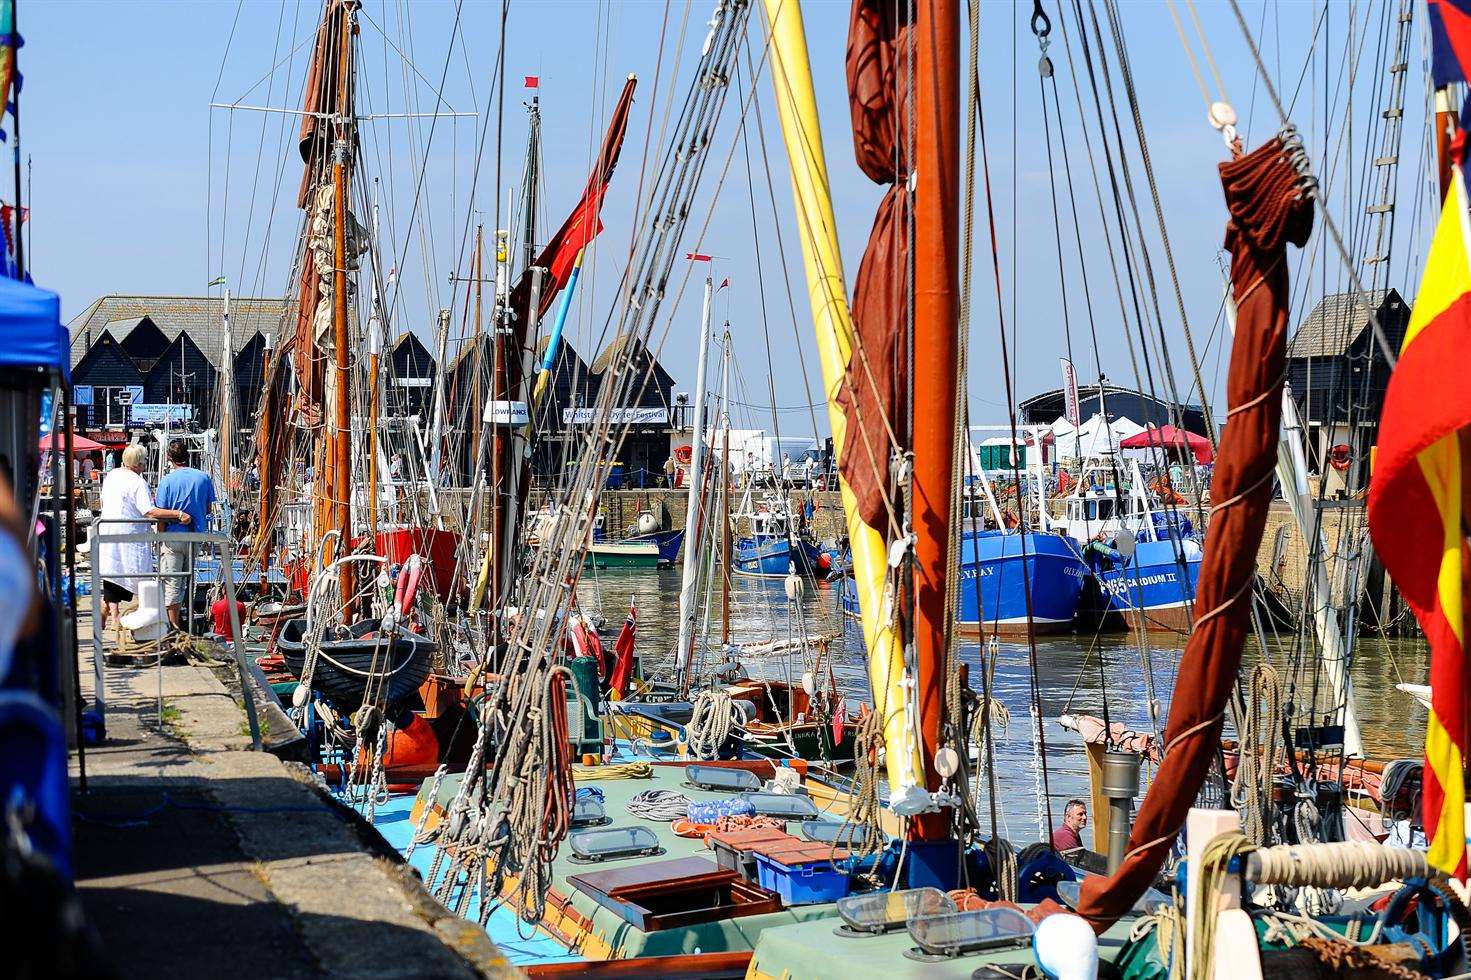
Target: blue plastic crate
{"x":803,"y":882}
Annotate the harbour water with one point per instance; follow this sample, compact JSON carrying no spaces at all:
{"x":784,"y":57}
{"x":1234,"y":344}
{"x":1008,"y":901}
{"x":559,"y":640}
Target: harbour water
{"x":1069,"y":679}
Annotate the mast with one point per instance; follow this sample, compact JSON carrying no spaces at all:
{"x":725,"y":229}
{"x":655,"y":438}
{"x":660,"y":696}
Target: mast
{"x":688,"y":607}
{"x":436,"y":423}
{"x":796,"y":101}
{"x":227,"y":401}
{"x":341,"y":440}
{"x":725,"y":532}
{"x":935,"y":349}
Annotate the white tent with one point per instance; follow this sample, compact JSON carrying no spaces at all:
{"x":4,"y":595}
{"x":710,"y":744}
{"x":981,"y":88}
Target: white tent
{"x":1095,"y":437}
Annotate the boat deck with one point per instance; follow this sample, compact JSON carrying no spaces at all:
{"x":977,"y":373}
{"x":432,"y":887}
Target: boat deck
{"x":575,"y":919}
{"x":812,"y":949}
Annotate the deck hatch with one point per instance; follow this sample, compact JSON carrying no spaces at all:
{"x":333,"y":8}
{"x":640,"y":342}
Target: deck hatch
{"x":720,"y":779}
{"x":675,"y":893}
{"x":958,"y":933}
{"x":610,"y":843}
{"x":874,"y":913}
{"x":788,"y":806}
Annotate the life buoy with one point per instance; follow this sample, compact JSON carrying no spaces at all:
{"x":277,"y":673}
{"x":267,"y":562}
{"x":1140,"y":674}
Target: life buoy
{"x":1340,"y":456}
{"x":684,"y":455}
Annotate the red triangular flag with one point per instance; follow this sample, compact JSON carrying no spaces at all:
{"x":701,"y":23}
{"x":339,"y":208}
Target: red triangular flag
{"x":698,"y":256}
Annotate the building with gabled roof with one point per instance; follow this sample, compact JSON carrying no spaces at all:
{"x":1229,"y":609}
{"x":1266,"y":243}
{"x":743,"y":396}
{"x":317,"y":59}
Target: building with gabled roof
{"x":1337,"y":374}
{"x":130,"y":349}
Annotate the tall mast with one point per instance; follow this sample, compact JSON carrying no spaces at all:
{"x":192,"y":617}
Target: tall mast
{"x":227,"y":401}
{"x":935,"y":346}
{"x":725,"y":532}
{"x":341,"y":444}
{"x":376,"y":341}
{"x":688,"y":606}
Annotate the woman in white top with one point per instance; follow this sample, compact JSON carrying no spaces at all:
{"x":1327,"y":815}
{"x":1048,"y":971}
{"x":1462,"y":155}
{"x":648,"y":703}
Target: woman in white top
{"x":125,"y":496}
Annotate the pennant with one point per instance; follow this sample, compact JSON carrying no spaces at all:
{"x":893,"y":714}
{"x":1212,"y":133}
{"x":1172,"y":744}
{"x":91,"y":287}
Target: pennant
{"x":698,"y":256}
{"x":1450,"y":40}
{"x":723,"y":283}
{"x":219,"y":281}
{"x":623,"y":659}
{"x":1416,"y":512}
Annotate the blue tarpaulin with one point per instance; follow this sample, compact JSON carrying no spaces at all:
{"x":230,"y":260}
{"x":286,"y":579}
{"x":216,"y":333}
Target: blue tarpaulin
{"x":31,"y":334}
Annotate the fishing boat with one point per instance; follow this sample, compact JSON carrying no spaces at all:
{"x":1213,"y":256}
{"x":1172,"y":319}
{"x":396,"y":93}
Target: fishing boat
{"x":775,"y":547}
{"x":645,"y":546}
{"x":348,"y":671}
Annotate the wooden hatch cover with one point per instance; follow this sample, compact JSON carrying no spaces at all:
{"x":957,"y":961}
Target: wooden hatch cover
{"x":655,"y":895}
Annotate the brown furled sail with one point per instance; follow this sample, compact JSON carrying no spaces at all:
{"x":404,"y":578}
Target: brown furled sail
{"x":1269,"y":208}
{"x":874,"y":386}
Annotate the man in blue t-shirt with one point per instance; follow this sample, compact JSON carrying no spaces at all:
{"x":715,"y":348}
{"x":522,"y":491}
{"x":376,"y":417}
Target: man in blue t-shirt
{"x":186,"y":489}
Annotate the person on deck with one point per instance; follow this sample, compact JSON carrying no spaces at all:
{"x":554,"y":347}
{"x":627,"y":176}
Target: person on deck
{"x":1069,"y":837}
{"x":191,"y":492}
{"x":126,"y":497}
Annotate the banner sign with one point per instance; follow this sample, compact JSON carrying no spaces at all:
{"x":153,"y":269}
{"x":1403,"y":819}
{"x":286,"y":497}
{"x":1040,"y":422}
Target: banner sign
{"x":1070,"y":392}
{"x":619,"y":416}
{"x":158,"y":413}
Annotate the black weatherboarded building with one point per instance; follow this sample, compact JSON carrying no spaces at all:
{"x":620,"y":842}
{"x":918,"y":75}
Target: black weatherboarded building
{"x":1338,"y":376}
{"x":167,"y":350}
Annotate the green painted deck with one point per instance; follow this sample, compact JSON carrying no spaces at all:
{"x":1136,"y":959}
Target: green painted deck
{"x":812,"y":950}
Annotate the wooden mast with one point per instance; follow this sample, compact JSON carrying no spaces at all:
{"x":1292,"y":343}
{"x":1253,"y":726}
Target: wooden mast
{"x":935,"y":342}
{"x":341,"y":437}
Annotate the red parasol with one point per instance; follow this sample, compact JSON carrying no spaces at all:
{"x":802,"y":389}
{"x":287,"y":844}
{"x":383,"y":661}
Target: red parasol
{"x":80,"y":444}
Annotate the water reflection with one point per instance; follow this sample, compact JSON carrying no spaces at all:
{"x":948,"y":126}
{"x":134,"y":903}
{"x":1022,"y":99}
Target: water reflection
{"x":1075,"y":673}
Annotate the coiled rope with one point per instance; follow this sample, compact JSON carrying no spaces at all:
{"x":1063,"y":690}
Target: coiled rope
{"x":623,"y":770}
{"x":659,"y":804}
{"x":716,"y":716}
{"x":1251,"y":790}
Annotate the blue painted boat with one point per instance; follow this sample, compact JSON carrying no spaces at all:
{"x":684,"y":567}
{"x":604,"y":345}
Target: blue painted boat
{"x":1155,"y":587}
{"x":996,"y":569}
{"x":991,"y":574}
{"x":774,"y":555}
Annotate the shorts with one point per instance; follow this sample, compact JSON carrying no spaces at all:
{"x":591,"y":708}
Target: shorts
{"x":112,"y":592}
{"x":174,"y":560}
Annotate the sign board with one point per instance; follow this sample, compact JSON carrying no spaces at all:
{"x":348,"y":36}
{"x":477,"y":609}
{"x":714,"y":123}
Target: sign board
{"x":619,"y":416}
{"x":159,"y":413}
{"x":412,"y":382}
{"x":82,"y":396}
{"x":507,"y":413}
{"x":130,"y":395}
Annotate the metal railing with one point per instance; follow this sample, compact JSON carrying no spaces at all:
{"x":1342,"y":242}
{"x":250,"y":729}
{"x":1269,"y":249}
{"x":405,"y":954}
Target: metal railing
{"x":197,"y":542}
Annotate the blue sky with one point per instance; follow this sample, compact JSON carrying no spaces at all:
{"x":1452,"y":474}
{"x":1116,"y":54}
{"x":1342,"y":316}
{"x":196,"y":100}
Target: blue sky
{"x":140,"y":187}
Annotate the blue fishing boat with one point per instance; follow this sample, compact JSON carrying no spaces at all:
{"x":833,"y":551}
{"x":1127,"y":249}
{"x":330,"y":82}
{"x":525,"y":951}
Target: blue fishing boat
{"x":998,"y":568}
{"x":995,"y":570}
{"x":1154,"y":587}
{"x":775,"y":546}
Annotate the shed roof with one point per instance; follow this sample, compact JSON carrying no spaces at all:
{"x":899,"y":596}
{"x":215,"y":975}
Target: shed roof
{"x":201,"y":316}
{"x":1335,"y":323}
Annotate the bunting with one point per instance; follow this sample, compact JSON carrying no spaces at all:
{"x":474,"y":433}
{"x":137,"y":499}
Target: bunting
{"x":1417,"y":509}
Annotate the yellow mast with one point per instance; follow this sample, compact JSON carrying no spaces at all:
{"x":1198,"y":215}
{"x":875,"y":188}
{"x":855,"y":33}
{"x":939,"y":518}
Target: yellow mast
{"x":791,"y":75}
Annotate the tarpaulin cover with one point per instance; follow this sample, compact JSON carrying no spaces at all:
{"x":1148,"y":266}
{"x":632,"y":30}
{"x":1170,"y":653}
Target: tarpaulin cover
{"x":30,"y":322}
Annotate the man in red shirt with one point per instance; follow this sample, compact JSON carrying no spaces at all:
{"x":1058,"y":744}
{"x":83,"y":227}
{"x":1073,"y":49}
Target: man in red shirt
{"x":1069,"y":836}
{"x":220,"y":614}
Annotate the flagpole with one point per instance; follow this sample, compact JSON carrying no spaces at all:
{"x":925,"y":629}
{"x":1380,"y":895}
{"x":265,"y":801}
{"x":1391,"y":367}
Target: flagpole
{"x":20,"y":247}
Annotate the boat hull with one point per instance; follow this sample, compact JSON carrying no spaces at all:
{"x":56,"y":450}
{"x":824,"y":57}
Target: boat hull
{"x":1156,"y":589}
{"x":774,"y":557}
{"x":643,"y":551}
{"x":347,"y":667}
{"x":998,"y":570}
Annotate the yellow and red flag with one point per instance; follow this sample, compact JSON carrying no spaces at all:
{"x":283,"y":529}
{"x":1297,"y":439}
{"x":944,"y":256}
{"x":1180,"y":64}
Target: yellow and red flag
{"x":1418,"y":509}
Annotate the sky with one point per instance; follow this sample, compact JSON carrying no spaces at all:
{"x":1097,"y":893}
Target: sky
{"x":139,"y":186}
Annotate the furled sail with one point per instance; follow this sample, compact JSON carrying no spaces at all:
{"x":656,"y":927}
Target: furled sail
{"x":1269,"y":208}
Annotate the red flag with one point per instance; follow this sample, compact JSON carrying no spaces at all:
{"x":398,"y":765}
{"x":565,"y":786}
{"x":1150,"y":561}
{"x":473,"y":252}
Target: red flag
{"x":582,"y":225}
{"x":623,"y":648}
{"x":840,"y":722}
{"x":533,"y":81}
{"x":698,"y":256}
